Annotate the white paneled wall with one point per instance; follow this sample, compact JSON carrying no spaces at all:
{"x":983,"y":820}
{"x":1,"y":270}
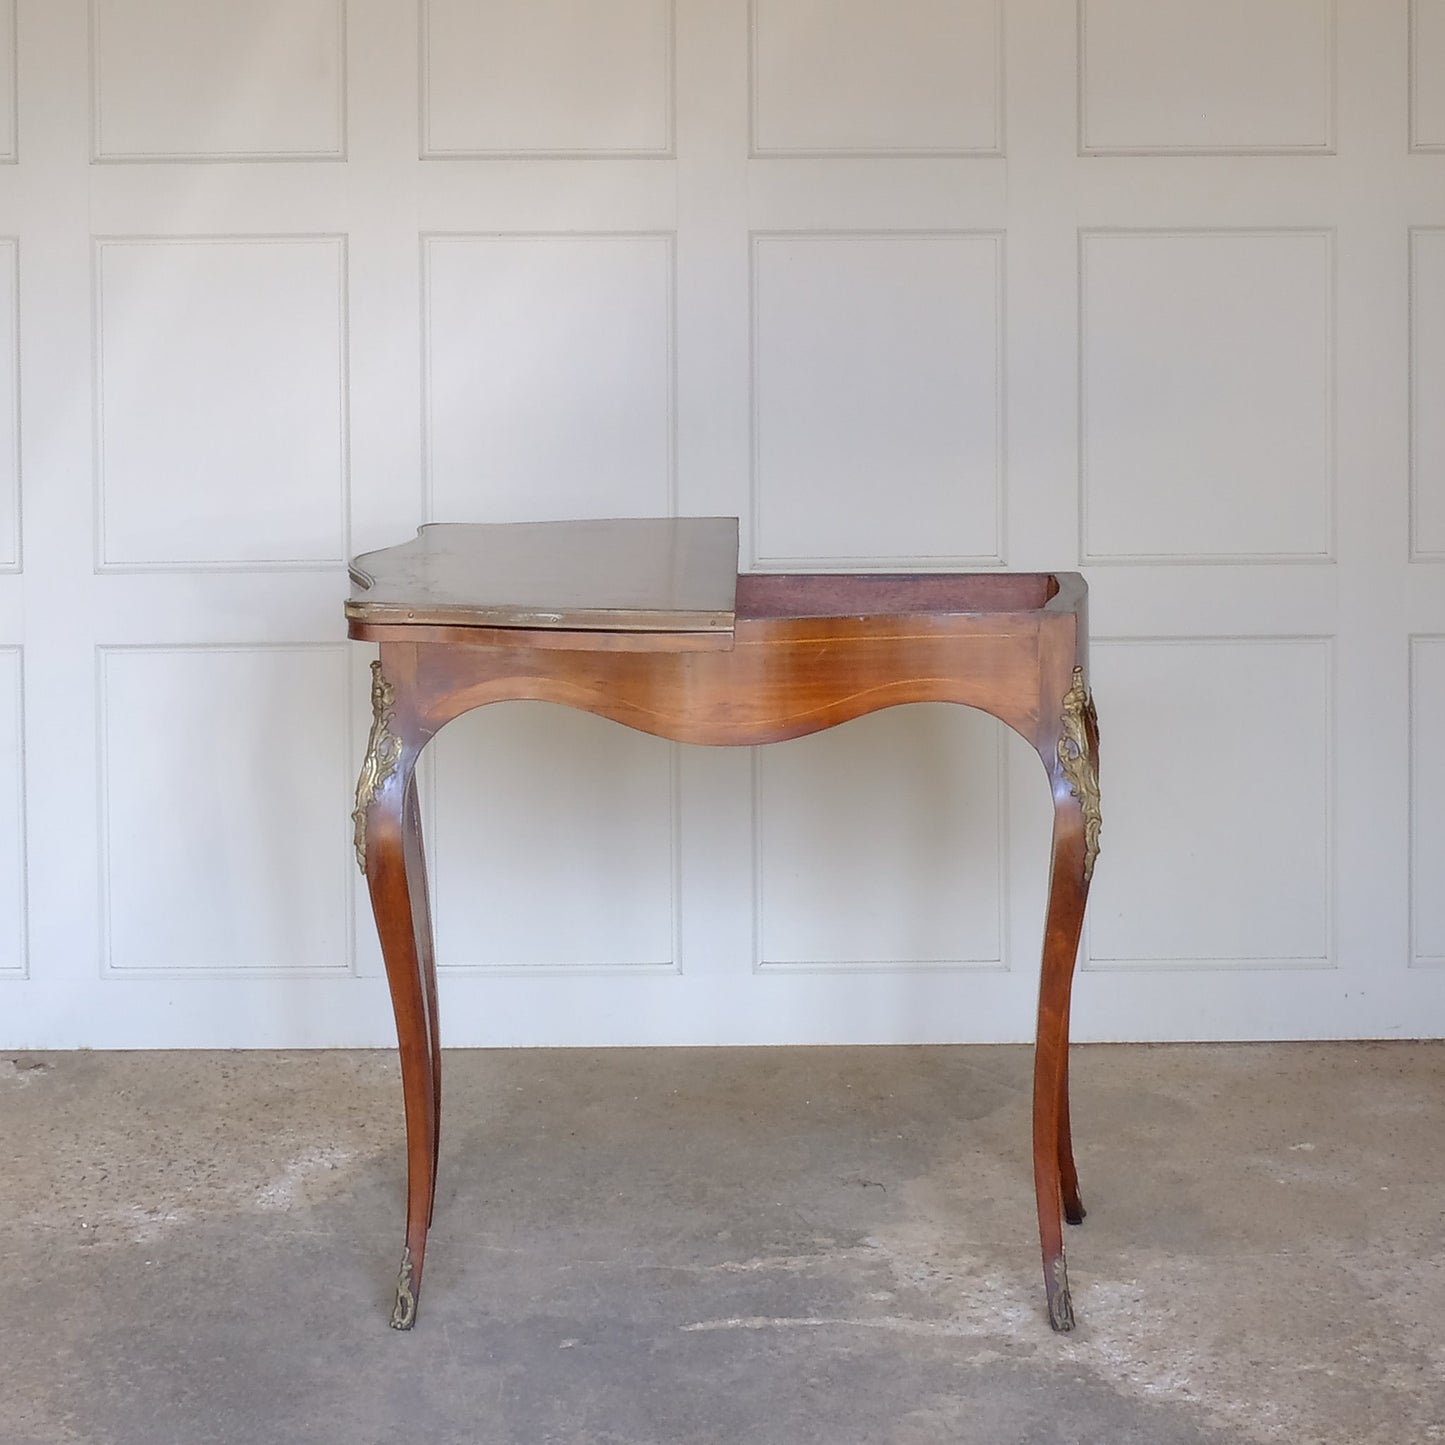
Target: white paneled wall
{"x":13,"y":954}
{"x":1161,"y":77}
{"x":549,"y":77}
{"x":10,"y":528}
{"x":1427,"y":75}
{"x":878,"y":845}
{"x":1427,"y":391}
{"x":520,"y":884}
{"x":921,"y":77}
{"x":1207,"y":395}
{"x":1148,"y":287}
{"x":199,"y":897}
{"x":8,"y":79}
{"x":877,"y":356}
{"x":220,"y":399}
{"x":212,"y":80}
{"x":548,"y":376}
{"x":1427,"y":703}
{"x":1163,"y":906}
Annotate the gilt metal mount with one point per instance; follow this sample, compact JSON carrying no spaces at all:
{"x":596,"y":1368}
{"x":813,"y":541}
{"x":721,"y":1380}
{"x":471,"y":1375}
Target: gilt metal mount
{"x":383,"y":753}
{"x":1081,"y":767}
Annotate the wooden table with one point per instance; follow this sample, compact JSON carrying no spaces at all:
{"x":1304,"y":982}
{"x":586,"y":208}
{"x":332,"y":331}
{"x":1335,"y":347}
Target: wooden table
{"x":648,"y":623}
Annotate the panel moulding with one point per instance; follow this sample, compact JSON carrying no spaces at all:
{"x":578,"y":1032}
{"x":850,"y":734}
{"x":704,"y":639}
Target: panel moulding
{"x":99,"y":155}
{"x":756,"y":559}
{"x":668,"y":240}
{"x":994,"y":151}
{"x":1419,"y":142}
{"x":10,"y":28}
{"x":99,"y":245}
{"x":1325,"y":146}
{"x":1417,"y":401}
{"x":1419,"y":957}
{"x":427,"y":151}
{"x":346,"y":965}
{"x":21,"y":970}
{"x":581,"y":967}
{"x":1089,"y":962}
{"x":998,"y":963}
{"x":1088,"y":557}
{"x":10,"y":281}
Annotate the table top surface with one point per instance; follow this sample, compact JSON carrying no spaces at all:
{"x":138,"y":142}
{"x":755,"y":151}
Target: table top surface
{"x":651,"y":574}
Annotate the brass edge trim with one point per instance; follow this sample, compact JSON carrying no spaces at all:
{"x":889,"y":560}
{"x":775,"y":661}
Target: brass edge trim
{"x":403,"y":1314}
{"x":1080,"y":767}
{"x":360,"y":609}
{"x":383,"y":753}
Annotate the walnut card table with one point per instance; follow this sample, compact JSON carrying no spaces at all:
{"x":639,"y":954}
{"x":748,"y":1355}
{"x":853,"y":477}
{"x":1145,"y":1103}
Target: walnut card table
{"x":647,"y":622}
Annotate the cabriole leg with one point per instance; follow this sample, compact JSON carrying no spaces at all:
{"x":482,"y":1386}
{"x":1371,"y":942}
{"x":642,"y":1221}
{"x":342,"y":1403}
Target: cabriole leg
{"x":388,"y":837}
{"x":426,"y":955}
{"x":1074,"y":1211}
{"x":1074,"y":771}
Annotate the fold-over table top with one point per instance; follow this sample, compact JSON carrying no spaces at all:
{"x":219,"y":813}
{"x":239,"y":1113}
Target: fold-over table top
{"x":651,"y":574}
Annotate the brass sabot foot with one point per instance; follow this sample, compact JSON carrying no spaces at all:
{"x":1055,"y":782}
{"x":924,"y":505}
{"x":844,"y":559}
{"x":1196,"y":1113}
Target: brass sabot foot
{"x":403,"y":1314}
{"x":1061,"y":1302}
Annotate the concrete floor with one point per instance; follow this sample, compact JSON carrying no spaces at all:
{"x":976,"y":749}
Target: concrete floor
{"x":659,"y":1248}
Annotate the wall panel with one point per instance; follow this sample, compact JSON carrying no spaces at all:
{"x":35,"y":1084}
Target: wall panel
{"x":1427,"y":75}
{"x":880,"y":844}
{"x":877,"y":77}
{"x":1233,"y":76}
{"x":877,"y":398}
{"x":1427,"y":802}
{"x":15,"y":907}
{"x":9,"y":80}
{"x":10,"y":484}
{"x":225,"y":774}
{"x":221,"y":400}
{"x":1218,"y":782}
{"x":554,"y":837}
{"x":1427,"y":392}
{"x":213,"y":80}
{"x":1207,"y":394}
{"x":549,"y":377}
{"x":552,"y":77}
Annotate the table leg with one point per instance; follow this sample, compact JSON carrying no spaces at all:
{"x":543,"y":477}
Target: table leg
{"x":1074,"y":771}
{"x":426,"y":955}
{"x":389,"y":848}
{"x":1074,"y":1211}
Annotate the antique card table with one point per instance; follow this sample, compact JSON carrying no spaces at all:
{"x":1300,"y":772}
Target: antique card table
{"x":647,"y":622}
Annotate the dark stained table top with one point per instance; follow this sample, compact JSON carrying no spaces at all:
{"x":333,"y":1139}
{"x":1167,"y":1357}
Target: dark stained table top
{"x":651,"y":574}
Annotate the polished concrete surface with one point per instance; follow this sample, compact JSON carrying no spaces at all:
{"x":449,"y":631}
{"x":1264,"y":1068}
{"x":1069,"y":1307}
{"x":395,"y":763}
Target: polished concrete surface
{"x":665,"y":1247}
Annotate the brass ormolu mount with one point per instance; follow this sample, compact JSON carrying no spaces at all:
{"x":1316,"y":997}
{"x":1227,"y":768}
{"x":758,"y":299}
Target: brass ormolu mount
{"x":1081,"y":767}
